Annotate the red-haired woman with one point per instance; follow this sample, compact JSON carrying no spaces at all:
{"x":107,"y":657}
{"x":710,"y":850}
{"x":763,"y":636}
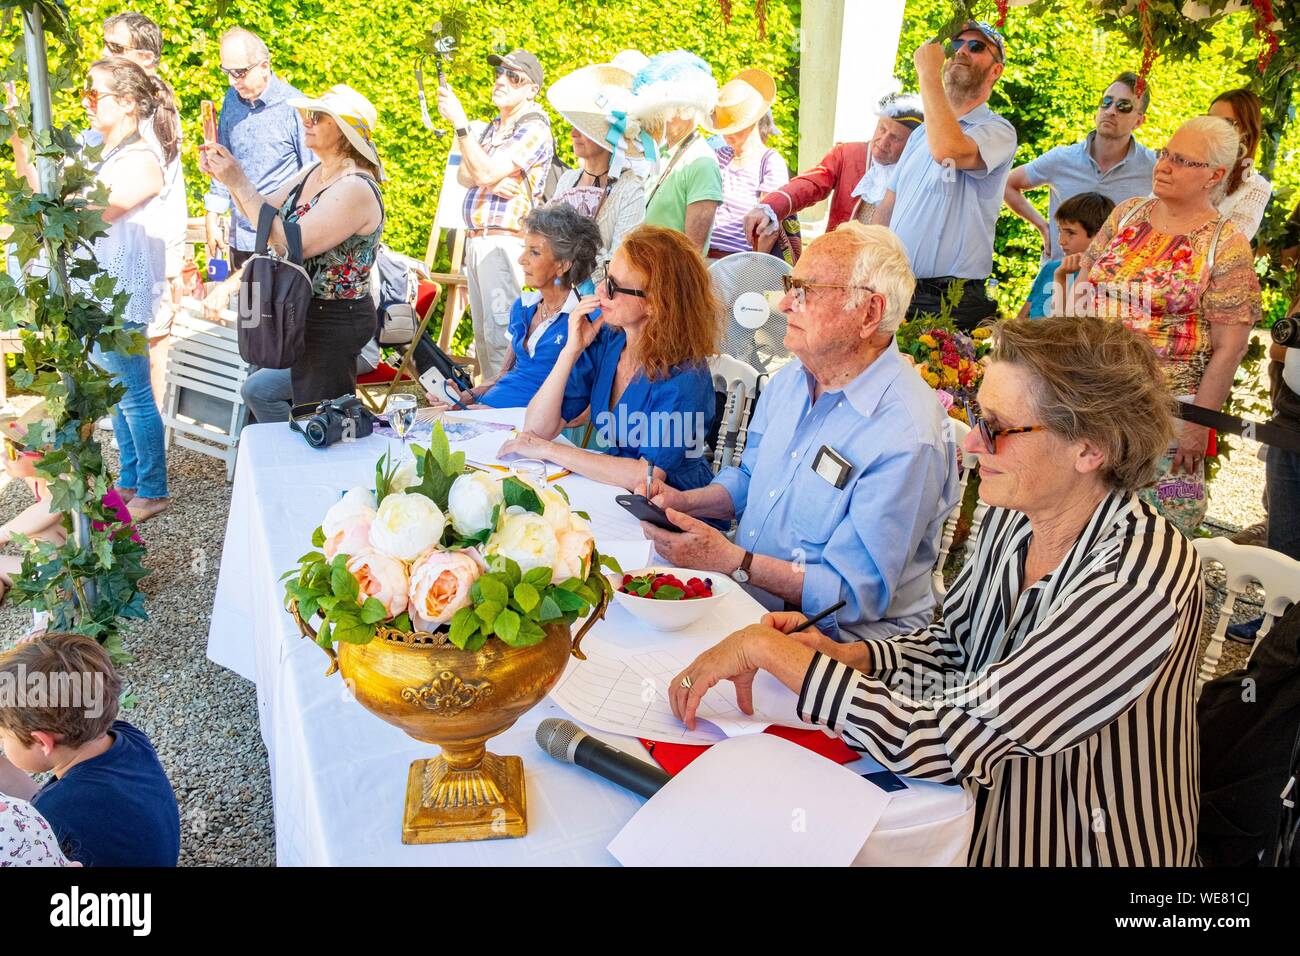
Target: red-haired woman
{"x":1247,"y":192}
{"x":641,"y":366}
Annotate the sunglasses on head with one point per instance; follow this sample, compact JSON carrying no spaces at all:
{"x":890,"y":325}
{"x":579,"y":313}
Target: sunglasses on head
{"x":515,"y":78}
{"x":975,"y":46}
{"x":237,"y":73}
{"x":1121,"y":106}
{"x":613,"y":289}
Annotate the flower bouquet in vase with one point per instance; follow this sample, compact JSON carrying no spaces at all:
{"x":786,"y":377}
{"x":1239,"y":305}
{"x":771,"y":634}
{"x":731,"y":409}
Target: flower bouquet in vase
{"x":447,"y":597}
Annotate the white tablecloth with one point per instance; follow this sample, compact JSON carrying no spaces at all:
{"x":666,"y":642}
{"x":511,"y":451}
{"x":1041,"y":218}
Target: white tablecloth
{"x":338,"y":773}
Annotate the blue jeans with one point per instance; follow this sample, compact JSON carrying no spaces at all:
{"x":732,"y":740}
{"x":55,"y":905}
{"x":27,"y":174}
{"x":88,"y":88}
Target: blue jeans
{"x":137,"y":425}
{"x":1282,"y":478}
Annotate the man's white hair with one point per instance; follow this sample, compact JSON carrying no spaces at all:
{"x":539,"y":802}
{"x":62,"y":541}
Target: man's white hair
{"x":879,"y":262}
{"x":253,"y":45}
{"x":1222,"y":146}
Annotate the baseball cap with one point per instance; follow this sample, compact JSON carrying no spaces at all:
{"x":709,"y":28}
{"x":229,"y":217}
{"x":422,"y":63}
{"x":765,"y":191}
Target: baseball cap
{"x":521,"y":61}
{"x":990,"y":32}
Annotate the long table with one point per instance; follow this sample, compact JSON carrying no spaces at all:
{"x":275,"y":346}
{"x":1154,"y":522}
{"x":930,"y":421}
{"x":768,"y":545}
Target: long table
{"x":338,"y":773}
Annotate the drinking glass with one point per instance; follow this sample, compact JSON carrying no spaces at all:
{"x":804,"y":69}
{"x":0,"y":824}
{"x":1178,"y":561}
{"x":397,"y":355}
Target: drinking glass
{"x":401,"y":415}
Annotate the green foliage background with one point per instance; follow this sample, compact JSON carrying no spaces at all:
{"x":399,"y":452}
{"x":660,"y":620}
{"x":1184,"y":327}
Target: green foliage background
{"x":372,"y":46}
{"x":1059,"y":59}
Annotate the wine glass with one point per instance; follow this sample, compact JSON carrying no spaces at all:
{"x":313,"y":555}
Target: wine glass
{"x":401,"y":416}
{"x":531,"y":470}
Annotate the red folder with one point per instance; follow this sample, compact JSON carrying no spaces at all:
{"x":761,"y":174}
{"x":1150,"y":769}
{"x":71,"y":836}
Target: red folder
{"x":673,"y":757}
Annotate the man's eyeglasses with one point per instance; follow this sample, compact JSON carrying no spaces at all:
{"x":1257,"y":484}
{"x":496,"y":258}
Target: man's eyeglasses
{"x":237,"y":72}
{"x":975,"y":46}
{"x":516,"y":79}
{"x":989,"y":436}
{"x":1121,"y":106}
{"x":1165,"y":153}
{"x":116,"y":48}
{"x":612,"y":289}
{"x":91,"y":97}
{"x":800,"y":287}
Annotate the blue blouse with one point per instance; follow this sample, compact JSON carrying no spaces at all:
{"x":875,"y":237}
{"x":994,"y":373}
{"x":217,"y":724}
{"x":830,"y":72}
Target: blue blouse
{"x":665,"y":422}
{"x":518,"y":386}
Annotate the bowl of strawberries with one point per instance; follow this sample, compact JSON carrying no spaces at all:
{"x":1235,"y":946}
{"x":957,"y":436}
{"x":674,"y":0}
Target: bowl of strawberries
{"x":670,"y":599}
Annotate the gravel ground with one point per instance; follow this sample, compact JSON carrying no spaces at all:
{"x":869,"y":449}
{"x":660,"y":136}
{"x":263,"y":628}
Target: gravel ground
{"x":203,"y":719}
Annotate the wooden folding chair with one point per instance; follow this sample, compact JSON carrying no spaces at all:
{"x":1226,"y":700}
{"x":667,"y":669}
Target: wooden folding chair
{"x":458,"y":290}
{"x":370,"y":383}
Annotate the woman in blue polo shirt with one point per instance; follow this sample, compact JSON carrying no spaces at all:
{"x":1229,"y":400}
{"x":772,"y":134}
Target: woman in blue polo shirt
{"x":637,"y":354}
{"x":560,"y":249}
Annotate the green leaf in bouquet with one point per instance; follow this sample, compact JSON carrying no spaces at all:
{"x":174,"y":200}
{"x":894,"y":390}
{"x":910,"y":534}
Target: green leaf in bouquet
{"x":318,"y":538}
{"x":487,"y":612}
{"x":669,"y":593}
{"x":311,"y":557}
{"x":475,"y":642}
{"x":493,"y":589}
{"x":402,"y":622}
{"x":530,"y":633}
{"x":373,"y":611}
{"x":307,"y":608}
{"x":342,"y":583}
{"x":385,"y":471}
{"x":522,"y":495}
{"x":526,"y":597}
{"x":464,"y":625}
{"x":610,"y":563}
{"x":506,"y":627}
{"x":563,"y":494}
{"x":583,"y":515}
{"x":440,"y":449}
{"x":456,"y":466}
{"x":514,"y":574}
{"x":351,"y":629}
{"x":325,"y":635}
{"x":568,"y":601}
{"x":326,"y":602}
{"x":549,"y":610}
{"x":538,"y":577}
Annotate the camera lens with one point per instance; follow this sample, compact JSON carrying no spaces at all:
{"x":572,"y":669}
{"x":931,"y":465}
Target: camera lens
{"x":1286,"y":332}
{"x":314,"y":432}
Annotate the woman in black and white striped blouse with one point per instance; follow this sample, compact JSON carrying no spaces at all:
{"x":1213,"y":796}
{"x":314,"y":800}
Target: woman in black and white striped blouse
{"x":1059,"y":686}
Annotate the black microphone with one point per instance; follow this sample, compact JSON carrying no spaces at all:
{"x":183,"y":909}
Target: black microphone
{"x":564,"y":740}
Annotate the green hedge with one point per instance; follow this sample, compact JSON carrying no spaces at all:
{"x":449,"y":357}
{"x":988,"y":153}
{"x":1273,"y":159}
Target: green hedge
{"x":372,"y":46}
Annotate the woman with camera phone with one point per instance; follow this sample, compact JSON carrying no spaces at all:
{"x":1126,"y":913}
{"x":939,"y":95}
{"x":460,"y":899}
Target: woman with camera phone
{"x":338,"y":206}
{"x":641,"y":366}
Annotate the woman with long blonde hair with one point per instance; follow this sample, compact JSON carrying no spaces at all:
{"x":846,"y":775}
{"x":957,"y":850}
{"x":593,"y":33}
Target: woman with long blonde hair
{"x":637,"y":356}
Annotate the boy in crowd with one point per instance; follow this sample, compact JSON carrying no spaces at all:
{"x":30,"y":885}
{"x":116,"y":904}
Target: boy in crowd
{"x":1078,"y":219}
{"x":109,"y":801}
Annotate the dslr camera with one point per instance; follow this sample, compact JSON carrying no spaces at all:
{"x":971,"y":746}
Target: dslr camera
{"x":339,"y":418}
{"x":1286,"y":332}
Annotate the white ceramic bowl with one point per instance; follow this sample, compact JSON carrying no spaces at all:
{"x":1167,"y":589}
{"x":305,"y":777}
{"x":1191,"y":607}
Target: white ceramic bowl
{"x":673,"y":615}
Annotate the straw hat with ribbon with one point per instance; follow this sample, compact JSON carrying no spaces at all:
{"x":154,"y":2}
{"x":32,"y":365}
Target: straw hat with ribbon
{"x":596,"y":101}
{"x":354,"y":116}
{"x":743,"y":101}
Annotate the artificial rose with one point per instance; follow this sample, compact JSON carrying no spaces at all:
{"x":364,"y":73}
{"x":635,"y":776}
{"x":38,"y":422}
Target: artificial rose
{"x":357,"y":501}
{"x":353,"y":536}
{"x":440,"y":582}
{"x":557,"y":509}
{"x":471,"y":501}
{"x":526,"y":539}
{"x":572,"y":555}
{"x":404,"y":477}
{"x":382,"y":578}
{"x":406,"y":526}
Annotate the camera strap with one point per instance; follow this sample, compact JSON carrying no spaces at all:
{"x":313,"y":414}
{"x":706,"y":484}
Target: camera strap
{"x":1266,"y":433}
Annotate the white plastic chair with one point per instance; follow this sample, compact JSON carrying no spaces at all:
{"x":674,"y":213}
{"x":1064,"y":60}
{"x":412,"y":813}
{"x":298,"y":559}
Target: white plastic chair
{"x":957,"y":430}
{"x":739,"y":382}
{"x":1243,"y":564}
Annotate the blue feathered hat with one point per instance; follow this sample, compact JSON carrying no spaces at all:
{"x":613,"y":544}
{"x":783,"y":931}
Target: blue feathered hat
{"x":670,"y":83}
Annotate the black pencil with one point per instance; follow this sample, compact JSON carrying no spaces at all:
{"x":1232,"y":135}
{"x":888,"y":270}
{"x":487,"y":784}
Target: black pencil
{"x":819,"y":617}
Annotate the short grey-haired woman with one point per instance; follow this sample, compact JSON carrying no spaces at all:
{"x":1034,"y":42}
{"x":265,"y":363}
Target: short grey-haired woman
{"x":1058,"y":685}
{"x":560,"y":249}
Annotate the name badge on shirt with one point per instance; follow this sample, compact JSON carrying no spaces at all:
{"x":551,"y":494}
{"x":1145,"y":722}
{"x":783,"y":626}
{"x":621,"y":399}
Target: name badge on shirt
{"x":831,"y":466}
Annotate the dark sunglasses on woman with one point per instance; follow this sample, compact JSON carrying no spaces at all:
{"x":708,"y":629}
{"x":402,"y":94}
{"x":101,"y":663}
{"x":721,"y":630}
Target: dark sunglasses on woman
{"x":92,"y":96}
{"x":988,"y":435}
{"x":612,"y":289}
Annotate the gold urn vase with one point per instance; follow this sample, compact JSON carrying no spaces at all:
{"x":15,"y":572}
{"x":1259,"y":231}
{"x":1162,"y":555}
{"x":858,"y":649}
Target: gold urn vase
{"x":458,"y":700}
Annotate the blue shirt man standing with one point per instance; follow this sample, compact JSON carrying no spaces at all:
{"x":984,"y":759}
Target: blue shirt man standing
{"x":260,"y":129}
{"x":849,"y":470}
{"x":947,"y":187}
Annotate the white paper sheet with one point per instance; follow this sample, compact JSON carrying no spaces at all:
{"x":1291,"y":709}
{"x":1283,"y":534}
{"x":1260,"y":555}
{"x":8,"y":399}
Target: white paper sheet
{"x":754,"y":801}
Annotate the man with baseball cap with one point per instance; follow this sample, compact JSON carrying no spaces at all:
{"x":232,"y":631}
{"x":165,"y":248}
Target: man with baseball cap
{"x":946,"y":190}
{"x":854,"y":175}
{"x":505,"y":171}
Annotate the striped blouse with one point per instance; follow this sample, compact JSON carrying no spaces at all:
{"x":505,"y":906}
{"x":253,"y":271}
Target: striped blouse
{"x":1067,"y":710}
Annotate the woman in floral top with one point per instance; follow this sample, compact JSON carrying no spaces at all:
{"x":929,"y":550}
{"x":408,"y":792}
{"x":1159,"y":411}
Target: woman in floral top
{"x":1177,"y":271}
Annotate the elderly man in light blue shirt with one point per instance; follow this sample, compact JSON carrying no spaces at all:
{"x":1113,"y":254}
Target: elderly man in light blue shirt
{"x":1108,"y":161}
{"x":849,"y":470}
{"x":947,"y":187}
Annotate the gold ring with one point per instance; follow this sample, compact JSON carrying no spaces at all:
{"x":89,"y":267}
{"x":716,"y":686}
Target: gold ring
{"x":686,"y":682}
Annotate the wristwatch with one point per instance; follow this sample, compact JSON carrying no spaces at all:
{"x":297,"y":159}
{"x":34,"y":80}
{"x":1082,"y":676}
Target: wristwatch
{"x":741,"y":574}
{"x":462,"y":131}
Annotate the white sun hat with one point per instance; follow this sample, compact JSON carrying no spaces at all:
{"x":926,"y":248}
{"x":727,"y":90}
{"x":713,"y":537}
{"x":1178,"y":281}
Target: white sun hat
{"x":354,"y":115}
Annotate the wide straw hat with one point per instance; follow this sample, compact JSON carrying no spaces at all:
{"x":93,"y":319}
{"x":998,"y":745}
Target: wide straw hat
{"x":595,"y":101}
{"x":353,"y":114}
{"x":743,"y":101}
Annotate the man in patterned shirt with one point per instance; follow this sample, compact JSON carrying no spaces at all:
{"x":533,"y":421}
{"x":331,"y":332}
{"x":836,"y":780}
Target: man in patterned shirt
{"x":505,"y":171}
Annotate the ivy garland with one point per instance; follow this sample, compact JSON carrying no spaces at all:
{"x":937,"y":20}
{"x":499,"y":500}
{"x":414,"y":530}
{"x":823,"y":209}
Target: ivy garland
{"x":64,"y":305}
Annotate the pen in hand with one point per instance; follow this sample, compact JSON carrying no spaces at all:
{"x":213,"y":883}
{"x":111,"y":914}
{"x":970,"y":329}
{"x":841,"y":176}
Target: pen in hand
{"x":649,"y":474}
{"x":816,"y":618}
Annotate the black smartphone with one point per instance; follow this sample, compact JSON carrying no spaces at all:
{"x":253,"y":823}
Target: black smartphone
{"x":639,"y":507}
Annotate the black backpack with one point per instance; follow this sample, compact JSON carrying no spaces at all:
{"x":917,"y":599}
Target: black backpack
{"x":1249,"y":723}
{"x":274,"y":296}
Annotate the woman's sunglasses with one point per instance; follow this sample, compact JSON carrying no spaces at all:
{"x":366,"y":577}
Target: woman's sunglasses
{"x":516,"y":79}
{"x":1121,"y":106}
{"x":91,"y":97}
{"x":612,"y":289}
{"x":989,"y":435}
{"x":312,"y":117}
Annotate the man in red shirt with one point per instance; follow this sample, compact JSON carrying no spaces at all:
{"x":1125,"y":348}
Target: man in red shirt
{"x":854,"y":175}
